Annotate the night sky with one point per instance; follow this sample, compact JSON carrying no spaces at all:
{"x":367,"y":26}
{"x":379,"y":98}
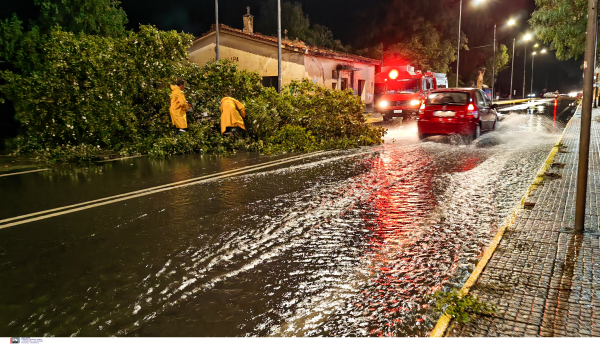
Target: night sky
{"x":344,"y":18}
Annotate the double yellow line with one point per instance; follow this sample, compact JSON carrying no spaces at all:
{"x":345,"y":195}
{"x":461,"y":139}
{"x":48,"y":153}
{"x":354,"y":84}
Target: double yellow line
{"x":442,"y":324}
{"x":45,"y":214}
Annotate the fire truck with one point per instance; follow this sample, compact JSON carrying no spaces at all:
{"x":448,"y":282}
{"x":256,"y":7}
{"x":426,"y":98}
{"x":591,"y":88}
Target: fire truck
{"x":400,"y":90}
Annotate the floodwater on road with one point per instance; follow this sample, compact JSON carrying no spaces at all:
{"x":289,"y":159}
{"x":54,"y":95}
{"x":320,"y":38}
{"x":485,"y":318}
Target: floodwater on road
{"x":345,"y":243}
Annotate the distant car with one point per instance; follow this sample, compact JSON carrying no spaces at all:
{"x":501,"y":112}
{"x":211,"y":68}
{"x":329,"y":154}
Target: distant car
{"x":464,"y":111}
{"x":531,"y":95}
{"x":550,"y":95}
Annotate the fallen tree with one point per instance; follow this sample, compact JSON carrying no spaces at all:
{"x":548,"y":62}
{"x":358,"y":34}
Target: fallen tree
{"x":82,"y":95}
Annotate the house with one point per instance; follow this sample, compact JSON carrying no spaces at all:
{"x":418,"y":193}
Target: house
{"x":258,"y":53}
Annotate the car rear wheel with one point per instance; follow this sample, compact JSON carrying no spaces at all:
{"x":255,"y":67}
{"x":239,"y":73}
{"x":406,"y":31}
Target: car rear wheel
{"x":477,"y":132}
{"x":422,"y":136}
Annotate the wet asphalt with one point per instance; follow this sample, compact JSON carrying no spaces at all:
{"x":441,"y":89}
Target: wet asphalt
{"x":341,"y":243}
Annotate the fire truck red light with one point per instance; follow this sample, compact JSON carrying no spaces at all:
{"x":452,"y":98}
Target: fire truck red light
{"x":393,"y":74}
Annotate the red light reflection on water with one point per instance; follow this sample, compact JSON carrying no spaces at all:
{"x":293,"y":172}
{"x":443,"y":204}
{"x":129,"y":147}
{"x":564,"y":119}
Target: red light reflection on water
{"x":410,"y":255}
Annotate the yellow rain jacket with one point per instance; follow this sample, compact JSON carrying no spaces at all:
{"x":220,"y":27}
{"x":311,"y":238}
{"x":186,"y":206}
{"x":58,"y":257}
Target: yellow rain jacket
{"x":230,"y":117}
{"x":178,"y":107}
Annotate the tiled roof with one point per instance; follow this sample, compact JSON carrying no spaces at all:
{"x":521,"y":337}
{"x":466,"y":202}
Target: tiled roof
{"x":296,"y":45}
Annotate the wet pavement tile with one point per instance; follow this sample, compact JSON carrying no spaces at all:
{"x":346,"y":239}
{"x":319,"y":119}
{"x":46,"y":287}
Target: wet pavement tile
{"x":542,"y":273}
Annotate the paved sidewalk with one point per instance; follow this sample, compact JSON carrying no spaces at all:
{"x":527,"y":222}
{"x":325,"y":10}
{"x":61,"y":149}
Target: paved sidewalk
{"x":543,"y":278}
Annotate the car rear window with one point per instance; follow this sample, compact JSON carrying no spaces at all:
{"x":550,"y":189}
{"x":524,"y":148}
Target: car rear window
{"x":448,"y":98}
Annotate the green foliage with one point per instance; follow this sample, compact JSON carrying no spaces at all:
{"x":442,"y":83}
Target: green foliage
{"x":426,"y":49}
{"x":428,"y":42}
{"x":562,"y":23}
{"x":87,"y":89}
{"x":459,"y":307}
{"x":96,"y":17}
{"x":82,"y":86}
{"x":502,"y":59}
{"x":88,"y":94}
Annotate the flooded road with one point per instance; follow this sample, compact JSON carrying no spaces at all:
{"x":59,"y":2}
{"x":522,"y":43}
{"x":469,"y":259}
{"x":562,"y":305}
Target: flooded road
{"x":343,"y":243}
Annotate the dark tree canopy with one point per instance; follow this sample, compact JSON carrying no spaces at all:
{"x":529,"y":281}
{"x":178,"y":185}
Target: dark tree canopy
{"x":562,"y":24}
{"x":95,"y":17}
{"x":296,"y":24}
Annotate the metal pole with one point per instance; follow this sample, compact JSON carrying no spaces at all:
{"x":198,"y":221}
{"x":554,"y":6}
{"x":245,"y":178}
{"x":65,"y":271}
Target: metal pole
{"x":494,"y":65}
{"x":458,"y":49}
{"x":532,"y":59}
{"x":512,"y":71}
{"x":217,"y":30}
{"x":524,"y":69}
{"x":586,"y":114}
{"x":279,"y":75}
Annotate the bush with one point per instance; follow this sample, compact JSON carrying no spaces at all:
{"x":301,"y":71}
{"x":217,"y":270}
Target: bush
{"x":86,"y":94}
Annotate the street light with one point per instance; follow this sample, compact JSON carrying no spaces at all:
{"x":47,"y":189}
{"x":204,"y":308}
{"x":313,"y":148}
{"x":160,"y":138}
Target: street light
{"x":512,"y":22}
{"x":458,"y":49}
{"x":476,"y":2}
{"x":532,"y":59}
{"x":526,"y":38}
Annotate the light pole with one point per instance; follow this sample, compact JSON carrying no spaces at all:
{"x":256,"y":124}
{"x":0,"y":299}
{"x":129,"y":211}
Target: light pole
{"x":512,"y":22}
{"x":526,"y":38}
{"x":512,"y":71}
{"x":217,"y":29}
{"x":532,"y":60}
{"x":458,"y":48}
{"x":494,"y":65}
{"x":586,"y":115}
{"x":279,"y":76}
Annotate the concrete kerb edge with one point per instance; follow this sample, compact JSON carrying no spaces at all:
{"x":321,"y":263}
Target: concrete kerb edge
{"x":442,"y":325}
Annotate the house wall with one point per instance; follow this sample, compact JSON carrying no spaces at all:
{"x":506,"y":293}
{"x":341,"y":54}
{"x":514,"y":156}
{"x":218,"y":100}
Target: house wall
{"x":250,"y":55}
{"x":320,"y":70}
{"x":262,"y":58}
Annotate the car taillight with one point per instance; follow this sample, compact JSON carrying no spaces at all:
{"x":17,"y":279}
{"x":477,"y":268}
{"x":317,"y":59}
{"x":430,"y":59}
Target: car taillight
{"x":471,"y":107}
{"x":422,"y":109}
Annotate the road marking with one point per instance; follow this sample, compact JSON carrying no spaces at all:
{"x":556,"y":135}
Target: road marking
{"x":442,"y":325}
{"x":123,"y":158}
{"x":148,"y":191}
{"x":15,"y":173}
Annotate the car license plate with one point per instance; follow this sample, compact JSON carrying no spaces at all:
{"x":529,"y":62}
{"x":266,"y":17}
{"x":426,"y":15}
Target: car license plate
{"x":397,"y":111}
{"x":444,"y":113}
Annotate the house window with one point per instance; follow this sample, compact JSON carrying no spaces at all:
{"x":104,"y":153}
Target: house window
{"x":334,"y":85}
{"x":344,"y":84}
{"x":334,"y":74}
{"x":270,"y":81}
{"x":361,"y":87}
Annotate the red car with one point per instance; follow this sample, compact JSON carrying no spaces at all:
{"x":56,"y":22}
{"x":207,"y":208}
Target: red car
{"x":465,"y":111}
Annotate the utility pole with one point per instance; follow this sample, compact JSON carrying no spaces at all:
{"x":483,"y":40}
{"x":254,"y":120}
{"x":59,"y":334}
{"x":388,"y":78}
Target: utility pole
{"x":494,"y":66}
{"x":512,"y":71}
{"x":279,"y":76}
{"x":524,"y":69}
{"x":458,"y":49}
{"x":586,"y":114}
{"x":217,"y":28}
{"x":532,"y":60}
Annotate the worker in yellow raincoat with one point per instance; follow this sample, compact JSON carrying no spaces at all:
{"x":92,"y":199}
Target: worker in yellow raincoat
{"x":179,"y":106}
{"x":232,"y":114}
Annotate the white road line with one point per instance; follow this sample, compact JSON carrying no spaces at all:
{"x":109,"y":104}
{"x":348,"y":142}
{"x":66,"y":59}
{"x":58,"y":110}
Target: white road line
{"x":123,"y":158}
{"x":148,"y":191}
{"x":14,"y":174}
